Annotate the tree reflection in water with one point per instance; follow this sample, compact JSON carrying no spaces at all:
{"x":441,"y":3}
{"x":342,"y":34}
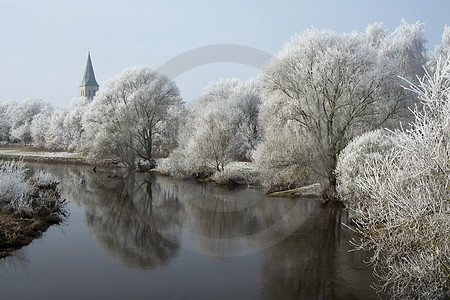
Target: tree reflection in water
{"x":131,"y":214}
{"x":144,"y":221}
{"x":127,"y":214}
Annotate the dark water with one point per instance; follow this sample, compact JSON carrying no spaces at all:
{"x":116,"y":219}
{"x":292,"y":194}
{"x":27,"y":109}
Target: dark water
{"x":151,"y":237}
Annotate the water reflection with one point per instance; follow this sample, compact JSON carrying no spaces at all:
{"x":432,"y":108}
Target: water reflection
{"x":136,"y":215}
{"x":146,"y":221}
{"x":128,"y":213}
{"x":225,"y":223}
{"x":315,"y":263}
{"x":17,"y":261}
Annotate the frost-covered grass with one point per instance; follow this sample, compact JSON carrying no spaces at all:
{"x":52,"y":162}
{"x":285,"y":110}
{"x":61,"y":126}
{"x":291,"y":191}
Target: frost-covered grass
{"x":33,"y":152}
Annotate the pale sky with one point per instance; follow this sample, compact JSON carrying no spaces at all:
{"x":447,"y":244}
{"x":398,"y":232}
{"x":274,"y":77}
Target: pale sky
{"x":44,"y":44}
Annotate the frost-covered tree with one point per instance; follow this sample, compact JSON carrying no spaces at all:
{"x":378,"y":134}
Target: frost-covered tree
{"x":21,"y":116}
{"x":222,"y":125}
{"x":57,"y":137}
{"x":325,"y":88}
{"x":213,"y":139}
{"x":5,"y":121}
{"x":129,"y":114}
{"x":283,"y":162}
{"x":405,"y":49}
{"x":39,"y":129}
{"x":167,"y":139}
{"x":48,"y":130}
{"x":404,"y":215}
{"x":246,"y":100}
{"x":441,"y":51}
{"x":73,"y":123}
{"x":37,"y":122}
{"x":375,"y":34}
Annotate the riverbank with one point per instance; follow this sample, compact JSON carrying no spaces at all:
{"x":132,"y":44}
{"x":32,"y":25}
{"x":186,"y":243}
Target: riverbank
{"x":236,"y":173}
{"x":28,"y":205}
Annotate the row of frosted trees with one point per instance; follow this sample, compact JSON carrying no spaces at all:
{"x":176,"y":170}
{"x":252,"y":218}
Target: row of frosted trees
{"x":322,"y":90}
{"x":36,"y":122}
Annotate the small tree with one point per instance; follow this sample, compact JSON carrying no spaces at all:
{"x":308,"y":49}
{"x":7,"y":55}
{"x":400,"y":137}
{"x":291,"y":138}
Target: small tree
{"x":221,"y":126}
{"x":129,"y":114}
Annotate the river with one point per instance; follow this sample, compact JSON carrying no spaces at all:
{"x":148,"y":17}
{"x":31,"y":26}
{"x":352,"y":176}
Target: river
{"x":145,"y":236}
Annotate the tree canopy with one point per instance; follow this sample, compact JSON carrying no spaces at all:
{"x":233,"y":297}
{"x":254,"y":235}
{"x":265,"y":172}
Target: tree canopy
{"x":130,"y":114}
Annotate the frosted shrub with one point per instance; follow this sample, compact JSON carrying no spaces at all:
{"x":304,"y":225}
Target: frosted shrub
{"x":353,"y":164}
{"x":237,"y":174}
{"x":283,"y":162}
{"x":174,"y":166}
{"x":13,"y":186}
{"x":407,"y":218}
{"x":20,"y":192}
{"x":44,"y":178}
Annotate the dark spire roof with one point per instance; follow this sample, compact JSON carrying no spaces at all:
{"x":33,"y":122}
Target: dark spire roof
{"x":89,"y":77}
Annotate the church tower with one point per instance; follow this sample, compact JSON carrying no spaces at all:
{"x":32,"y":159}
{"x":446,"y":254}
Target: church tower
{"x":89,"y":85}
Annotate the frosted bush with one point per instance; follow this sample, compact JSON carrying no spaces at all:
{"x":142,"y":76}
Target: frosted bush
{"x":353,"y":164}
{"x":19,"y":192}
{"x":174,"y":166}
{"x":284,"y":162}
{"x":43,"y":178}
{"x":405,"y":218}
{"x":237,"y":175}
{"x":13,"y":186}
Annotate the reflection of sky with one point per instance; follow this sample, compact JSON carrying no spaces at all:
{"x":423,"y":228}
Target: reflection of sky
{"x":73,"y":260}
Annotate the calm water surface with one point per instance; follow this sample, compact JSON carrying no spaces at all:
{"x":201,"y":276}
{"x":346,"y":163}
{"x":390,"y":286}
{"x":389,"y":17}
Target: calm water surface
{"x":142,"y":236}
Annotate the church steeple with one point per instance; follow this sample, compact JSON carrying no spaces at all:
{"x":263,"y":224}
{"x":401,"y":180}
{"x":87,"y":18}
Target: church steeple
{"x":89,"y":85}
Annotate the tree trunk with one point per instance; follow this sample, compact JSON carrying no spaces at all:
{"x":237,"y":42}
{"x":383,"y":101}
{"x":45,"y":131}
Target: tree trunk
{"x":330,"y":192}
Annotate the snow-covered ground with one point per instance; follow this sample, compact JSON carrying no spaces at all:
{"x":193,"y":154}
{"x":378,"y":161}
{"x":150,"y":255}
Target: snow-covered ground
{"x":241,"y":166}
{"x":232,"y":166}
{"x":23,"y":152}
